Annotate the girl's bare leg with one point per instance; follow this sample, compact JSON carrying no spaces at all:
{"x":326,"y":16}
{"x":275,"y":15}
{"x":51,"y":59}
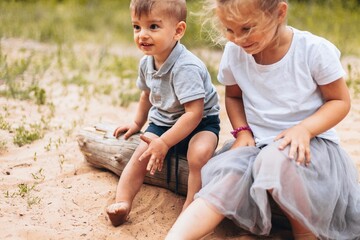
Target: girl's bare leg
{"x":129,"y":185}
{"x":266,"y":159}
{"x":196,"y":221}
{"x":201,"y":149}
{"x":300,"y":232}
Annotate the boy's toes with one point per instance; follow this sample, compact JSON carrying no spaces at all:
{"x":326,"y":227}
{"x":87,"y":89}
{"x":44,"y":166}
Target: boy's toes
{"x":118,"y":213}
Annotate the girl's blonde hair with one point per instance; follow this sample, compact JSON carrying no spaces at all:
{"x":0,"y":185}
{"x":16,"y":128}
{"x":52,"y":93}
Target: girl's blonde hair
{"x":268,"y":12}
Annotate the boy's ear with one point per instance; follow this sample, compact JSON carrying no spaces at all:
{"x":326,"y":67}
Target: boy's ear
{"x":180,"y":30}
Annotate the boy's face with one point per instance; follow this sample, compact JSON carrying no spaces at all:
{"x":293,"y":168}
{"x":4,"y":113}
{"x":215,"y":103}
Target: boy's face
{"x":156,"y":33}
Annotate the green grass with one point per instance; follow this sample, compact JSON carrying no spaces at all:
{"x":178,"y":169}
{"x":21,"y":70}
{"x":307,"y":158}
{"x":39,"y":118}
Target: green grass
{"x":332,"y":20}
{"x":108,"y":22}
{"x":4,"y":125}
{"x":353,"y":81}
{"x":12,"y":72}
{"x":24,"y":191}
{"x":25,"y":136}
{"x":66,"y":23}
{"x":3,"y":146}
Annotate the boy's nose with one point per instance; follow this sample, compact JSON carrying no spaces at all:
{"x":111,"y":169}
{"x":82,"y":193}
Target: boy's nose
{"x":144,"y":33}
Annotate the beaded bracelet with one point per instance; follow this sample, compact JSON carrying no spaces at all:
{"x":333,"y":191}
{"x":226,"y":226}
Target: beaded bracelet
{"x":239,"y":129}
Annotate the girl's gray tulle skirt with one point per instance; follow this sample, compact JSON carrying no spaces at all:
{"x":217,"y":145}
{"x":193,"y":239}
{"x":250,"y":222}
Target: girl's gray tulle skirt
{"x":325,"y":196}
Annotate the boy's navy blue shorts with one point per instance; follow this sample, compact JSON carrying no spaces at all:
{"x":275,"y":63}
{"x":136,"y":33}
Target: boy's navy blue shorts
{"x":209,"y":123}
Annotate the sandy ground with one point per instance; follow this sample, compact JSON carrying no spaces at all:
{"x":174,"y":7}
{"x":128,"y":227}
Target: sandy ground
{"x":48,"y":191}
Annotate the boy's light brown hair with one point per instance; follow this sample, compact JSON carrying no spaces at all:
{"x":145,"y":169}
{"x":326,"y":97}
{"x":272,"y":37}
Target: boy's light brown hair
{"x":173,"y":8}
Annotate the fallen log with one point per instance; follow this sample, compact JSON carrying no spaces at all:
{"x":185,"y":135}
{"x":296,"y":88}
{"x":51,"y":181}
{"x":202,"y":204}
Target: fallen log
{"x":104,"y":151}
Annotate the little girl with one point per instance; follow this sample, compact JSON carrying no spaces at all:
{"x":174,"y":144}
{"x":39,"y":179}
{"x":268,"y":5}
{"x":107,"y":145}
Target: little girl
{"x":285,"y":92}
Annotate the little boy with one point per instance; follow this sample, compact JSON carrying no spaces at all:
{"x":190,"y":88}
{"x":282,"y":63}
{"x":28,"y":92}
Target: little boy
{"x":177,"y":98}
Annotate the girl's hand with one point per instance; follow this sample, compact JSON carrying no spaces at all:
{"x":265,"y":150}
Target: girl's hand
{"x":298,"y":137}
{"x":156,"y":151}
{"x":243,"y":139}
{"x":128,"y":129}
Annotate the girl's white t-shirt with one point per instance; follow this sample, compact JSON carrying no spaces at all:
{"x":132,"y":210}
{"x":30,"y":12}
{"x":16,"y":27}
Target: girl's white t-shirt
{"x":280,"y":95}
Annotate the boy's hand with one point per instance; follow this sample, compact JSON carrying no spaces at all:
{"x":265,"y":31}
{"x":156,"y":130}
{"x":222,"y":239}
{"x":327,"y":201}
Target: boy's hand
{"x":128,"y":129}
{"x":298,"y":137}
{"x":156,"y":151}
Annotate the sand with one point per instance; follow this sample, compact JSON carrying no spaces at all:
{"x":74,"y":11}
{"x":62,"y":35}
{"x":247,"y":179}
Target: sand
{"x":48,"y":191}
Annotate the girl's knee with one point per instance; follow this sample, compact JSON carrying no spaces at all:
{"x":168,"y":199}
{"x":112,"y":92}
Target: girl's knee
{"x":270,"y":156}
{"x":272,"y":152}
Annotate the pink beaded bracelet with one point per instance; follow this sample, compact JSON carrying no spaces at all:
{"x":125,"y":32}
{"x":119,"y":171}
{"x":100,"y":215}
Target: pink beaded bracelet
{"x":239,"y":129}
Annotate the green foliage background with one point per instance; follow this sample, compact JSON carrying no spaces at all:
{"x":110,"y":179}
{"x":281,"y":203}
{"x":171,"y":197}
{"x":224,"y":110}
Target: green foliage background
{"x":108,"y":22}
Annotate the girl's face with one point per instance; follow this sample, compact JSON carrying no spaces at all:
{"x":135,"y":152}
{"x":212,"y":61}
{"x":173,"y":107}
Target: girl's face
{"x":250,"y":28}
{"x":155,"y":34}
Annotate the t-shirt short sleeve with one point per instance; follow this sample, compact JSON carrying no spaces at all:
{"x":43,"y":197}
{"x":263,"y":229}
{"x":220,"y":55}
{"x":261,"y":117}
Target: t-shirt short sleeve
{"x":189,"y":83}
{"x":326,"y":66}
{"x":225,"y":75}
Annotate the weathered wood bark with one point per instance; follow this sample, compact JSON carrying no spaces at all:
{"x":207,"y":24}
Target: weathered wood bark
{"x":102,"y":150}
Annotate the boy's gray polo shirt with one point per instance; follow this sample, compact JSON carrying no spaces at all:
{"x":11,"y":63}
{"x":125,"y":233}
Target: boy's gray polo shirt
{"x":181,"y":79}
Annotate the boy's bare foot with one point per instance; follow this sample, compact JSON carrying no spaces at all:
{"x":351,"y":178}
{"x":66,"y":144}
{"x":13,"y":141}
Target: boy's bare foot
{"x":118,"y":213}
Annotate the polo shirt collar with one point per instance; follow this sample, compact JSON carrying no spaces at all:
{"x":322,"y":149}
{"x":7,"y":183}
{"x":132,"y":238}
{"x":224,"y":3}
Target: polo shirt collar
{"x":169,"y":62}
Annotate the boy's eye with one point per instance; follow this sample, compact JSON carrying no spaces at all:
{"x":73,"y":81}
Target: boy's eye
{"x":154,"y":26}
{"x":136,"y":27}
{"x":246,"y":29}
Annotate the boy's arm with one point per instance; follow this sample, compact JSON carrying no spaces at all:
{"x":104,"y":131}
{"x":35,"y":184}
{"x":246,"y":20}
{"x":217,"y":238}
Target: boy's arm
{"x":185,"y":124}
{"x":236,"y":113}
{"x":182,"y":128}
{"x":140,"y":117}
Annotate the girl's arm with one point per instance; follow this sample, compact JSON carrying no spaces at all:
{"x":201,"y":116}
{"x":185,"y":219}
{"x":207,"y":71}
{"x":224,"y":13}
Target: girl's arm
{"x":336,"y":107}
{"x":236,"y":113}
{"x":182,"y":128}
{"x":140,"y":117}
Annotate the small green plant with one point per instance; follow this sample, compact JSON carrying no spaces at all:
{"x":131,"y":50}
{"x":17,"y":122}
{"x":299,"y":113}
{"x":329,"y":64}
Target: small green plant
{"x":26,"y":136}
{"x":61,"y":160}
{"x":58,"y":143}
{"x":353,"y":82}
{"x":48,"y":146}
{"x":6,"y":110}
{"x":39,"y":175}
{"x":39,"y":94}
{"x":3,"y":146}
{"x":33,"y":200}
{"x":4,"y":125}
{"x":24,"y":190}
